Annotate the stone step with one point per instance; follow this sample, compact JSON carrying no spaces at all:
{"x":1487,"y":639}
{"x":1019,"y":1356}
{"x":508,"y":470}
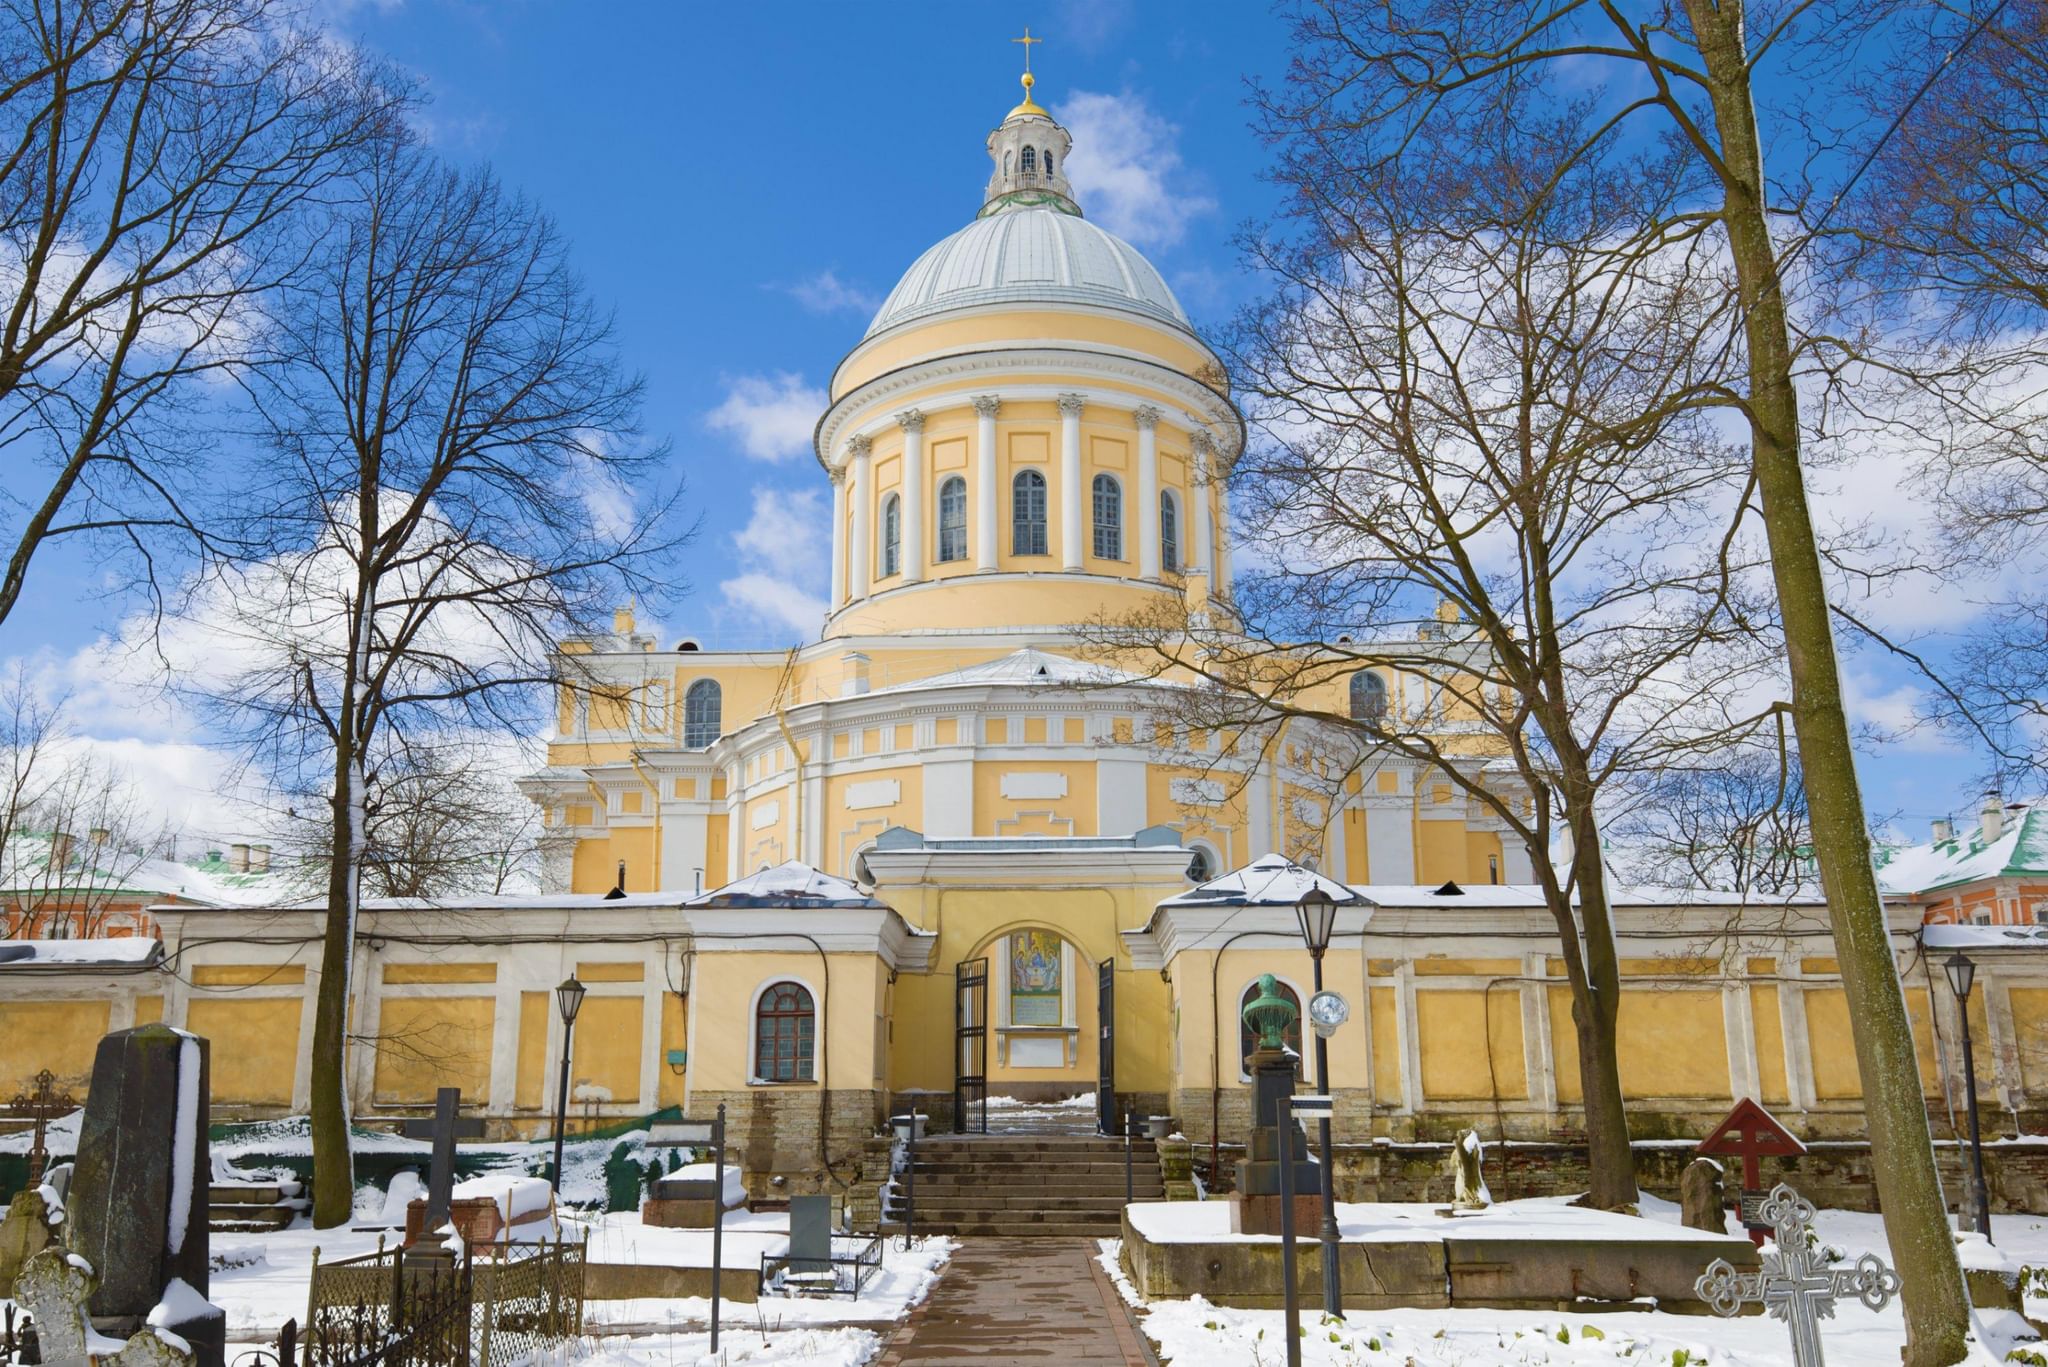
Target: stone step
{"x":244,"y":1194}
{"x":1013,"y":1230}
{"x":1009,"y":1173}
{"x":248,"y":1219}
{"x":1037,"y":1191}
{"x":1031,"y":1206}
{"x":1111,"y":1210}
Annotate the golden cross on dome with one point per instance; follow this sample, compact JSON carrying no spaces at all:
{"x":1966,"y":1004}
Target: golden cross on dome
{"x":1027,"y":40}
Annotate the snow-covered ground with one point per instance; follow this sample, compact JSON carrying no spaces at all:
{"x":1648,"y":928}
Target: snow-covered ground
{"x":1195,"y":1333}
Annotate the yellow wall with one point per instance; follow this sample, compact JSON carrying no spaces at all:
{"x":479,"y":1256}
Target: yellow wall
{"x":1471,"y":1043}
{"x":607,"y":1047}
{"x":723,"y":991}
{"x":941,"y":336}
{"x":425,"y":1043}
{"x":254,"y":1047}
{"x":58,"y":1035}
{"x":530,"y":1085}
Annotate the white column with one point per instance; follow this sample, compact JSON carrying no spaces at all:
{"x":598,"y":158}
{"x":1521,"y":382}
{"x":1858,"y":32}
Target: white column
{"x":861,"y":556}
{"x":1198,"y":509}
{"x":1072,"y":529}
{"x":912,"y":530}
{"x":1148,"y":492}
{"x":839,"y":538}
{"x":1219,"y":583}
{"x":985,"y":543}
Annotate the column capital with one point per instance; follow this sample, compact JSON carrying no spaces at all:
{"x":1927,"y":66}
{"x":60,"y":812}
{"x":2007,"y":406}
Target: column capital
{"x":838,"y":475}
{"x":1071,"y":405}
{"x":1204,"y":442}
{"x":857,"y":446}
{"x":911,"y":420}
{"x":1147,"y":417}
{"x":987,"y":404}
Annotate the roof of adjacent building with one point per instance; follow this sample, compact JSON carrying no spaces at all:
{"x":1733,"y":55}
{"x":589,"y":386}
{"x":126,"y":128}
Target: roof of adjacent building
{"x":1271,"y":880}
{"x":1026,"y":666}
{"x":1029,"y":256}
{"x":789,"y":884}
{"x":25,"y":868}
{"x":2020,"y":851}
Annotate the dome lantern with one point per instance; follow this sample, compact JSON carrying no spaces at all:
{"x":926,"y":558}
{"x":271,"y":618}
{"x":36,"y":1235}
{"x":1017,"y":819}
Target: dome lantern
{"x":1029,"y":151}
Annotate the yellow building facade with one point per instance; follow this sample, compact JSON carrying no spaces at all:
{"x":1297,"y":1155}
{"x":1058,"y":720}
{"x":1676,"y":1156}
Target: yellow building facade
{"x":944,"y":843}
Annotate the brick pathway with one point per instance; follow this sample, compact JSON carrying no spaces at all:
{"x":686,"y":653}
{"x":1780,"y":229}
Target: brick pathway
{"x":1020,"y":1300}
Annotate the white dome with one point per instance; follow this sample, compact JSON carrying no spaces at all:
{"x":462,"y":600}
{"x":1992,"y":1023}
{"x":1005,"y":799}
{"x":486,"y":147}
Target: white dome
{"x":1032,"y":256}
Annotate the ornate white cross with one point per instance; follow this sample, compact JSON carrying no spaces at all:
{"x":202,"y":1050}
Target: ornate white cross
{"x":1794,"y":1285}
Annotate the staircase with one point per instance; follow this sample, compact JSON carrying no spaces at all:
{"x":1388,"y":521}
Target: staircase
{"x":1043,"y":1185}
{"x":251,"y":1207}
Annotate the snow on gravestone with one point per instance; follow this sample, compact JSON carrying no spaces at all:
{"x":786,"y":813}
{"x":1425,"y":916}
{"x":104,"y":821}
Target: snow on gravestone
{"x":137,"y":1207}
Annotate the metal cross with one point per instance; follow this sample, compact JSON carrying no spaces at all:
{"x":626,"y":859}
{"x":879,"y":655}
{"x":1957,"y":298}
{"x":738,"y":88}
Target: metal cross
{"x":42,"y":1105}
{"x":1027,"y":40}
{"x":1794,"y":1285}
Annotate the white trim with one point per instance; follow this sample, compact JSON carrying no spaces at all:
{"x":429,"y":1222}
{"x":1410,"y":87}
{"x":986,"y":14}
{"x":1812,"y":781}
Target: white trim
{"x":754,"y":1030}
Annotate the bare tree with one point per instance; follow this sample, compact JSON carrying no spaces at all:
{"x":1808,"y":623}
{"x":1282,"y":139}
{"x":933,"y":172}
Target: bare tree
{"x":451,"y":427}
{"x":153,"y":156}
{"x":1714,"y":83}
{"x":1504,"y":417}
{"x":74,"y":828}
{"x":1732,"y":820}
{"x":442,"y":819}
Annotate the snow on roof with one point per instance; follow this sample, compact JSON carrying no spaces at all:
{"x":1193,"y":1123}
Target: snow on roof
{"x":2020,"y":850}
{"x":1027,"y":666}
{"x":127,"y":949}
{"x":1271,"y":880}
{"x":789,"y":884}
{"x":25,"y":868}
{"x":1482,"y":895}
{"x":1939,"y":936}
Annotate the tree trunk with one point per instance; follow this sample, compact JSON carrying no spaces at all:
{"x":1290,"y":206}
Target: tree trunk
{"x":1901,"y":1146}
{"x":1596,"y":1012}
{"x":334,"y":1184}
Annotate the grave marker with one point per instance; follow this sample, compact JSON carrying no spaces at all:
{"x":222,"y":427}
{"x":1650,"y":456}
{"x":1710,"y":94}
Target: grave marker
{"x":1750,"y":1132}
{"x":1794,"y":1285}
{"x":137,"y":1206}
{"x":444,"y":1129}
{"x":42,"y":1105}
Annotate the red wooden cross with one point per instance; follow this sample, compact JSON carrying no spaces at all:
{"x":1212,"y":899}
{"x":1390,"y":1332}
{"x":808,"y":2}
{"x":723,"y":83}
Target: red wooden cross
{"x":1751,"y":1132}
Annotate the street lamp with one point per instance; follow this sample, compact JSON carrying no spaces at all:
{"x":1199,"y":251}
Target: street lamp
{"x":1318,"y":913}
{"x":1961,"y":975}
{"x":569,"y":998}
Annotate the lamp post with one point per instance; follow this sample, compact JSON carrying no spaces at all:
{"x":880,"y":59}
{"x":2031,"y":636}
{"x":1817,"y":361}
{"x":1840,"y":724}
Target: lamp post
{"x":1961,"y":975}
{"x":1318,"y":913}
{"x":569,"y":998}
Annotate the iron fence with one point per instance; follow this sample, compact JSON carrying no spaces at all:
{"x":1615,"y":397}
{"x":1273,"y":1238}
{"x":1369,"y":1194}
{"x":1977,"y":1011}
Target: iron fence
{"x":851,"y":1265}
{"x":496,"y":1304}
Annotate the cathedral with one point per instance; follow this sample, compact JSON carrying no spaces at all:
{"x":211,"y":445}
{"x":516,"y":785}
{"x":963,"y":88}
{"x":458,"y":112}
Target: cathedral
{"x":943,"y":854}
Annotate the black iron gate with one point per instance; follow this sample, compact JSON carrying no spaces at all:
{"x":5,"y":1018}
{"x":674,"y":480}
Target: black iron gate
{"x":970,"y":1047}
{"x":1105,"y":1046}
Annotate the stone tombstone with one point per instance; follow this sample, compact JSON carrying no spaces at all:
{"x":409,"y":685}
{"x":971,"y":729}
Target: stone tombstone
{"x":1255,"y":1205}
{"x":1468,"y":1174}
{"x":24,"y":1232}
{"x":54,"y":1289}
{"x":810,"y":1234}
{"x":137,"y":1205}
{"x":1703,"y":1197}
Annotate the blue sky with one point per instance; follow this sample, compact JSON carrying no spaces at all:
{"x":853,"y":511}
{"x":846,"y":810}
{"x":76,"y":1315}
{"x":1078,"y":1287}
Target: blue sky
{"x":743,"y":182}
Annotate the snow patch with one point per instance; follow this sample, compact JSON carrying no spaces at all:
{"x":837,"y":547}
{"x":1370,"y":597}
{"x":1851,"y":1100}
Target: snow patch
{"x":183,"y":1141}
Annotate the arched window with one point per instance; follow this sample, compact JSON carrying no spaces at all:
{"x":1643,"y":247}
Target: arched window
{"x":1202,"y":867}
{"x":1028,"y":163}
{"x":1109,"y":518}
{"x":892,"y":535}
{"x":1246,"y":1040}
{"x":703,"y":705}
{"x":1169,"y":534}
{"x":785,"y":1033}
{"x":1048,"y":161}
{"x":953,"y":519}
{"x":1368,"y":697}
{"x":1027,"y":513}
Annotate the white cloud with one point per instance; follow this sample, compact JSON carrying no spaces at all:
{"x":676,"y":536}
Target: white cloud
{"x":1126,"y":168}
{"x":771,"y":415}
{"x":825,"y":292}
{"x":782,"y":557}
